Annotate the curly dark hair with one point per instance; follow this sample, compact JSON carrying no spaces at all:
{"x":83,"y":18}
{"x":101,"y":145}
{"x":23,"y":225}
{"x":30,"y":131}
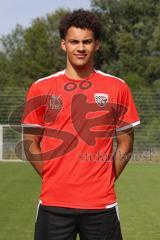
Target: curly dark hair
{"x":80,"y":19}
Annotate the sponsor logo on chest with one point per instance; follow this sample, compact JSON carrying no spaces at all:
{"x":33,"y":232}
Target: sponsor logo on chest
{"x":101,"y":99}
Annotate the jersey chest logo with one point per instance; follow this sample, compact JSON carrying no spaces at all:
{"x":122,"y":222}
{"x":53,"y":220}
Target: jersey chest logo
{"x":55,"y":102}
{"x":101,"y":99}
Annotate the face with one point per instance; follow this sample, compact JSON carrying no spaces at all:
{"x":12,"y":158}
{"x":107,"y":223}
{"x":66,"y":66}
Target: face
{"x":80,"y":47}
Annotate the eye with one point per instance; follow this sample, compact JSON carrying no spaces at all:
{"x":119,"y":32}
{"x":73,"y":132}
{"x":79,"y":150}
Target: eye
{"x":74,"y":42}
{"x":88,"y":41}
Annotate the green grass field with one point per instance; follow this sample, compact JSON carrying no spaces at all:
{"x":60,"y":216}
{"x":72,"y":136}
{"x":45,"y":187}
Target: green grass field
{"x":138,"y":191}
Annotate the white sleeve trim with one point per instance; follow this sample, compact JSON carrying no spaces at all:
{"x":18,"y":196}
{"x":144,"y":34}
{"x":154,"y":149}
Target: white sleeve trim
{"x":112,"y":205}
{"x":39,"y":203}
{"x":31,"y":125}
{"x":128,"y":126}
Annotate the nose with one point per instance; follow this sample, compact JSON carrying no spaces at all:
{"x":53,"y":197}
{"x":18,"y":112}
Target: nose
{"x":81,"y":47}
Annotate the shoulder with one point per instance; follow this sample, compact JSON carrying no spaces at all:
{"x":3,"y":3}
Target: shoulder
{"x":50,"y":77}
{"x":111,"y":79}
{"x":43,"y":85}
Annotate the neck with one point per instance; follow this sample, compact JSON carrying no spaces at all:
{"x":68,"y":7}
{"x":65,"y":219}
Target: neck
{"x":79,"y":72}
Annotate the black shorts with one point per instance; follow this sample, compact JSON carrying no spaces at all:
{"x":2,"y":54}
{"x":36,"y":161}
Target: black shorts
{"x":58,"y":223}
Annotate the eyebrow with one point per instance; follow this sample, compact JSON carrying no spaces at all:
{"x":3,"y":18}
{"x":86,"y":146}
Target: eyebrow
{"x":85,"y":40}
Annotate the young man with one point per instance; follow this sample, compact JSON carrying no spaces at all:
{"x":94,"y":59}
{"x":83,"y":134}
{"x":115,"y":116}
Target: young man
{"x":71,"y":118}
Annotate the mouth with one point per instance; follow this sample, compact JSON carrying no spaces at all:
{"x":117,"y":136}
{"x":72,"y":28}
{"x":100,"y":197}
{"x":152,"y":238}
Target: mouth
{"x":80,"y":56}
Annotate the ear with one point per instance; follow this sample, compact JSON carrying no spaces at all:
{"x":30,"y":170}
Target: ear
{"x":63,"y":45}
{"x":97,"y":45}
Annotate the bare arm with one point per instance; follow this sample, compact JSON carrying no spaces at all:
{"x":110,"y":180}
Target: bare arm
{"x":124,"y":150}
{"x":32,"y":151}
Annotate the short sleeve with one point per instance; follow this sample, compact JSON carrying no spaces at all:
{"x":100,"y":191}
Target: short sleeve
{"x":127,"y":115}
{"x":34,"y":108}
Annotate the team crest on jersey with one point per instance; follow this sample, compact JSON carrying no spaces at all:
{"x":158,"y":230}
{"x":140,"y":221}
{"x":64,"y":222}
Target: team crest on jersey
{"x":55,"y":102}
{"x":101,"y":99}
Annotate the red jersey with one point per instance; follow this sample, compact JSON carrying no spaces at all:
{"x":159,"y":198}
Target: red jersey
{"x":79,"y":118}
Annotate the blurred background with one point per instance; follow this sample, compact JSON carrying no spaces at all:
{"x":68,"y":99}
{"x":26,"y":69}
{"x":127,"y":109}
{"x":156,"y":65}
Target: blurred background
{"x":130,"y":49}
